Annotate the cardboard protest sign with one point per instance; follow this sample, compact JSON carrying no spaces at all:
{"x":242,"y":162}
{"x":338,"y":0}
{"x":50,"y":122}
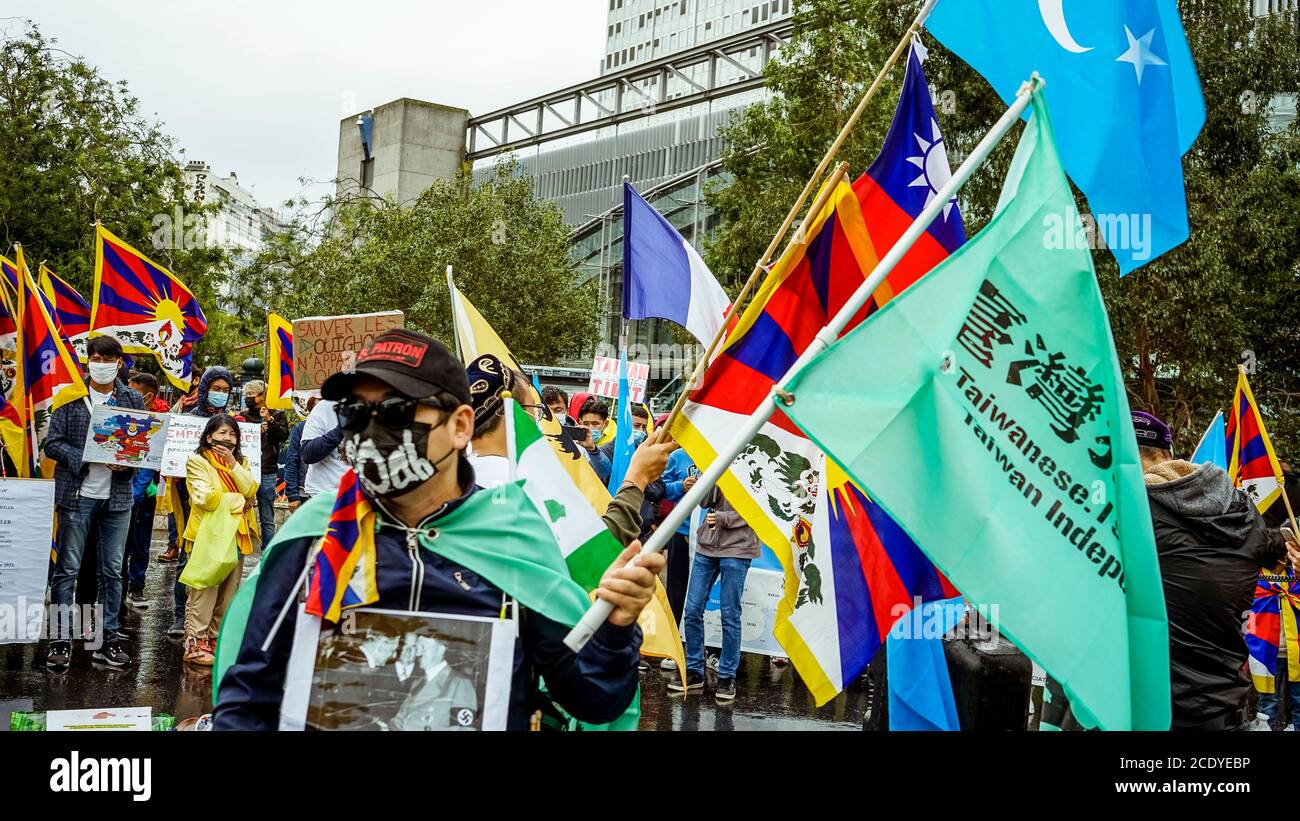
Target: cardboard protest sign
{"x":604,"y":378}
{"x":325,"y":345}
{"x":183,"y":439}
{"x":123,"y":436}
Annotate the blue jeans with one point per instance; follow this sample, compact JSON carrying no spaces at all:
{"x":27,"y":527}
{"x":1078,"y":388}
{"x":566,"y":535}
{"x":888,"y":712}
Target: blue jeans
{"x":704,"y":573}
{"x":266,"y":508}
{"x":110,"y":548}
{"x":1270,"y":703}
{"x":138,"y":537}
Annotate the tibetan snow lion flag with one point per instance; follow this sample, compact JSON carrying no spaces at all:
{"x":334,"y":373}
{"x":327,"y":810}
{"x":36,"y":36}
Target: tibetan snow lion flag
{"x":1271,"y":626}
{"x":343,"y":571}
{"x":145,"y":307}
{"x":71,"y":311}
{"x":850,"y":572}
{"x":11,"y":413}
{"x":984,"y":410}
{"x":1252,"y":463}
{"x":279,"y":341}
{"x":47,"y":373}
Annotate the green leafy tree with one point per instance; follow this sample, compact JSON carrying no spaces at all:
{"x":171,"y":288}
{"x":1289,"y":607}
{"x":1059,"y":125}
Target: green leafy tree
{"x":74,"y":148}
{"x":1182,"y":322}
{"x":363,"y":254}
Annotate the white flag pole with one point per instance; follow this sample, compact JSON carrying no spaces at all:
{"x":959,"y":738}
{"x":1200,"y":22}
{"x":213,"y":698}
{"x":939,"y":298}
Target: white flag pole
{"x":599,"y":611}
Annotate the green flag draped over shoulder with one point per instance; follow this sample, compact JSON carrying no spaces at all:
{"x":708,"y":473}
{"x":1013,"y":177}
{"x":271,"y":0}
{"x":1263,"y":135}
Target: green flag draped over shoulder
{"x":587,"y":546}
{"x":985,"y":411}
{"x":497,"y":533}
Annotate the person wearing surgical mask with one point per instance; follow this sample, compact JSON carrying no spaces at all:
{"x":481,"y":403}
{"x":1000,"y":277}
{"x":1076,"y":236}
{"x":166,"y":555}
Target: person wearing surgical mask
{"x":213,"y":398}
{"x":91,"y":498}
{"x":406,"y":419}
{"x":222,"y":523}
{"x":214,"y":394}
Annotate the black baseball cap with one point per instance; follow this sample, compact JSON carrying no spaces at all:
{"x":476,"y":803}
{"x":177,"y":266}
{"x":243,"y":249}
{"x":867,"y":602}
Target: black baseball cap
{"x":411,"y":363}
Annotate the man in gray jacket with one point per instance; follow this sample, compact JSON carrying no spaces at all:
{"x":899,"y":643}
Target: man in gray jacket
{"x":726,"y":547}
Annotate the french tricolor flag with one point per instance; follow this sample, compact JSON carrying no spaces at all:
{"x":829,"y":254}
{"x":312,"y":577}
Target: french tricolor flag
{"x":663,"y":276}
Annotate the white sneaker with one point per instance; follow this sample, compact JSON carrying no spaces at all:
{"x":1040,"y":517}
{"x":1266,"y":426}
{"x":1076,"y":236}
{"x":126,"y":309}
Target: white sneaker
{"x":667,"y":664}
{"x":1259,"y":725}
{"x":712,"y":663}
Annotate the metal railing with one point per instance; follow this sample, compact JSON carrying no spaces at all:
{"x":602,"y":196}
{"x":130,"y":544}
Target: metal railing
{"x":630,"y":94}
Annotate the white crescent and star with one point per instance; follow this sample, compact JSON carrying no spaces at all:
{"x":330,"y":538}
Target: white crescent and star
{"x":1139,"y":54}
{"x":1053,"y":12}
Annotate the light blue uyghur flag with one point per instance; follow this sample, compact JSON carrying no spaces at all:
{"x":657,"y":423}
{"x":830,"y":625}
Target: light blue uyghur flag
{"x":920,"y":690}
{"x":1124,"y":95}
{"x":624,"y":441}
{"x":1213,"y":445}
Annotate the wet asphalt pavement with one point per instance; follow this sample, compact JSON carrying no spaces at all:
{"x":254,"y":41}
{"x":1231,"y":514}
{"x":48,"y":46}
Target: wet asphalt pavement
{"x":768,"y":697}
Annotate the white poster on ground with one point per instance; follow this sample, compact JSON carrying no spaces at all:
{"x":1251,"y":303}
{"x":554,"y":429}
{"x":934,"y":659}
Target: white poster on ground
{"x":115,"y":718}
{"x":183,"y":439}
{"x":26,"y":534}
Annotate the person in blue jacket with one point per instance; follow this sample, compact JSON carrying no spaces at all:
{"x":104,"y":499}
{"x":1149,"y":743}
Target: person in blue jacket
{"x":405,"y":412}
{"x":679,"y":477}
{"x":295,"y":469}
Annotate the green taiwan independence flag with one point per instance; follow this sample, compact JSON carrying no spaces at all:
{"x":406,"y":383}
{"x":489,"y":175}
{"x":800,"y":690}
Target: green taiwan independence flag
{"x":985,"y":411}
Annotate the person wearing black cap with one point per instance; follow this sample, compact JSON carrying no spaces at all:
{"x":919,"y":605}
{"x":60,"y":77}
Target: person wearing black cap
{"x":1211,"y":544}
{"x":405,"y":410}
{"x":627,"y":515}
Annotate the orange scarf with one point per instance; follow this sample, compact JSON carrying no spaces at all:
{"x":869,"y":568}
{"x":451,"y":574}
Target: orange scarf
{"x":243,"y":537}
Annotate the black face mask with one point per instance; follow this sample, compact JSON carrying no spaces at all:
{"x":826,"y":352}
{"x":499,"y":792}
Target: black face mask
{"x":391,"y":463}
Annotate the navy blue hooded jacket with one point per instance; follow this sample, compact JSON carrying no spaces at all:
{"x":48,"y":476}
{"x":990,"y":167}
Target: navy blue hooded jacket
{"x":595,"y":686}
{"x":212,"y":374}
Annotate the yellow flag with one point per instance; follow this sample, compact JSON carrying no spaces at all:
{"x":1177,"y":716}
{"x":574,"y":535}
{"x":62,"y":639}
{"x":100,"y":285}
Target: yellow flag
{"x":474,"y":337}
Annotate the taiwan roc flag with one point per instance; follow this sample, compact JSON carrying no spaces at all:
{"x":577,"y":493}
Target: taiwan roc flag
{"x":983,"y":409}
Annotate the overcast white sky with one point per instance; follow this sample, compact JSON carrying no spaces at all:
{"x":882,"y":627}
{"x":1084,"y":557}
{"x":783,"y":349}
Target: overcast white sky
{"x":259,"y":86}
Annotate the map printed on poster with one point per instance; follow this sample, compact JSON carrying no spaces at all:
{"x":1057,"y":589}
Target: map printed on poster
{"x":325,"y":345}
{"x":604,"y":378}
{"x":183,"y":439}
{"x":124,"y":436}
{"x":764,"y":587}
{"x":26,"y":531}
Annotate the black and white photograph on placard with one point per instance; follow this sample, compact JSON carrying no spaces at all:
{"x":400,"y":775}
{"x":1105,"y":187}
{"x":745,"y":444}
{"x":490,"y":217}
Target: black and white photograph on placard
{"x":389,"y":671}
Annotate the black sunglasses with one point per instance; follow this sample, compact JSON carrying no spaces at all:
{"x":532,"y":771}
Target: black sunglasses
{"x":394,"y":412}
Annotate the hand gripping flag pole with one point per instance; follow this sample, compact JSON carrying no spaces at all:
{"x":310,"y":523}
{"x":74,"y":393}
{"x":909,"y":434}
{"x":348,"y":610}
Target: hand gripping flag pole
{"x":763,"y":265}
{"x":599,"y":611}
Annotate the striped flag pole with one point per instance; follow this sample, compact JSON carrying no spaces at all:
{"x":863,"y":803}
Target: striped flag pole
{"x":599,"y":611}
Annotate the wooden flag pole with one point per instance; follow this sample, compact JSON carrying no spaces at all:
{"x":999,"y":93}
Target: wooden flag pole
{"x":761,"y":266}
{"x":1290,"y":514}
{"x":822,"y":198}
{"x":597,"y":614}
{"x":1286,"y":500}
